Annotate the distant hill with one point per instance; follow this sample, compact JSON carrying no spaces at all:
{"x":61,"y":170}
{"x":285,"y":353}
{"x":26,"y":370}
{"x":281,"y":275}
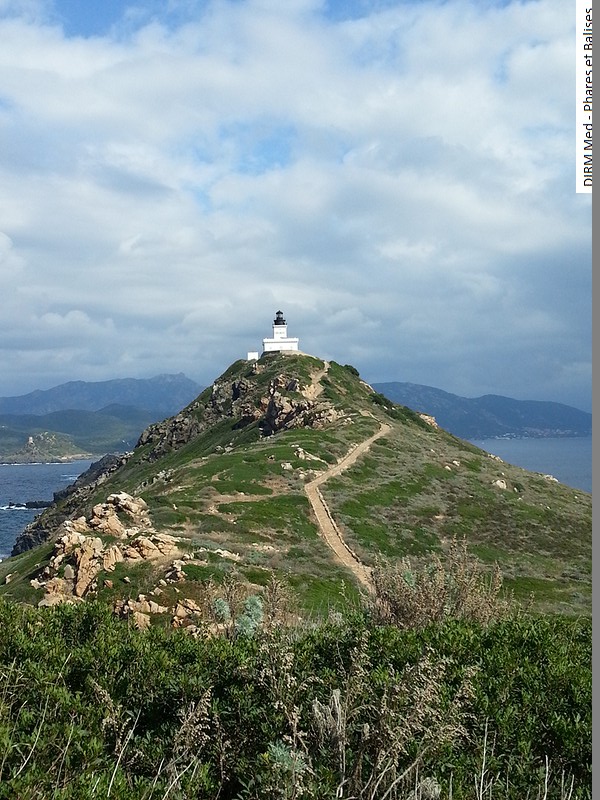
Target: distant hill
{"x":162,"y":395}
{"x":491,"y":415}
{"x":79,"y":418}
{"x":66,"y":435}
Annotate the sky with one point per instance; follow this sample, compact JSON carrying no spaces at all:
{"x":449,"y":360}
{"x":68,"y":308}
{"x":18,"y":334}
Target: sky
{"x":397,"y":177}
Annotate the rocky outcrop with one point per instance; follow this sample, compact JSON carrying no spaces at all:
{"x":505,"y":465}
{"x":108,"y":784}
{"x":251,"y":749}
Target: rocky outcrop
{"x":170,"y":435}
{"x":36,"y":533}
{"x":284,"y":404}
{"x":140,"y":611}
{"x":87,"y":564}
{"x":80,"y":554}
{"x":175,"y":432}
{"x":282,"y":412}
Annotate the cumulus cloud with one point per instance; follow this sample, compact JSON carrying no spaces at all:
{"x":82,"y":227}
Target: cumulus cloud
{"x":399,"y":180}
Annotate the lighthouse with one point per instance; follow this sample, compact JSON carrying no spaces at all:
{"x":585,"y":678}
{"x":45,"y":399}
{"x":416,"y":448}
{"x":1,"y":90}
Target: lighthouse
{"x":279,"y":341}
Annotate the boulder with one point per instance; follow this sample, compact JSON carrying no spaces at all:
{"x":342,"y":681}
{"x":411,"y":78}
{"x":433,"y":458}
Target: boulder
{"x":131,"y":554}
{"x":145,"y":547}
{"x":140,"y":620}
{"x":111,"y":557}
{"x":88,"y":564}
{"x":134,"y":506}
{"x":80,"y":525}
{"x":69,"y":540}
{"x":186,"y":607}
{"x":57,"y":591}
{"x":167,"y":544}
{"x":112,"y":525}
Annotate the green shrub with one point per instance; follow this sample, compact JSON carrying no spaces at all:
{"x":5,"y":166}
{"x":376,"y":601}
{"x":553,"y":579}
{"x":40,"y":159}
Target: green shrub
{"x":91,"y":707}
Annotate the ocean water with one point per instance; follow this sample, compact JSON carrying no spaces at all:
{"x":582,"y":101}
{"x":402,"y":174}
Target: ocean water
{"x":20,"y":483}
{"x":568,"y":460}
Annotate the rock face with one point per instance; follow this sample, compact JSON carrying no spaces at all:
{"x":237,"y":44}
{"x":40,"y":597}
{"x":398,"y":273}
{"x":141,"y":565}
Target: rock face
{"x":169,"y":435}
{"x":88,"y":564}
{"x":79,"y":554}
{"x":33,"y":535}
{"x":273,"y":409}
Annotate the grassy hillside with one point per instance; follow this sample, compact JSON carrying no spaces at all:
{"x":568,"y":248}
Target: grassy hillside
{"x":227,"y":478}
{"x":296,"y":588}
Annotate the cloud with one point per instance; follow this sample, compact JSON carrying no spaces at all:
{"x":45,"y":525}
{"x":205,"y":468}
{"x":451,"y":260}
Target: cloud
{"x":399,"y":179}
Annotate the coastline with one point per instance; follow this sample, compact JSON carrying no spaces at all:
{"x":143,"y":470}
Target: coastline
{"x":58,"y":460}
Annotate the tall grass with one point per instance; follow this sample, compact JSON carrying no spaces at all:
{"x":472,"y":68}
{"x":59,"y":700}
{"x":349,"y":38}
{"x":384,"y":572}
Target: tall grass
{"x":467,"y":702}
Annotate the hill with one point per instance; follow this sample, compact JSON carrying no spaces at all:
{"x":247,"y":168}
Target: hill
{"x":491,"y":415}
{"x":82,"y":419}
{"x":295,"y":468}
{"x":86,"y":419}
{"x":68,"y":435}
{"x":161,"y":395}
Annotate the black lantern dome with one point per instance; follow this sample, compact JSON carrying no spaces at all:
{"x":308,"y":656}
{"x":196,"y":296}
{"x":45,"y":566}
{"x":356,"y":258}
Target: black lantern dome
{"x":279,"y":320}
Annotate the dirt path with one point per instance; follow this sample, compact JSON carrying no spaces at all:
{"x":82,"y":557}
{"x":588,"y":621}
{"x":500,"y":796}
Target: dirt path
{"x":315,"y":388}
{"x":329,"y":530}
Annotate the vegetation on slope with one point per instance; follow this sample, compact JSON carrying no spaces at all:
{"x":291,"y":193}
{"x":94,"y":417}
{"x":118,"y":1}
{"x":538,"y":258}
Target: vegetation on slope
{"x":92,"y":708}
{"x":264,"y":672}
{"x":228,"y":474}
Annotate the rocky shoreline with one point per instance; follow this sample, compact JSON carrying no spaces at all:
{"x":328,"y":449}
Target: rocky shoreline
{"x":32,"y":504}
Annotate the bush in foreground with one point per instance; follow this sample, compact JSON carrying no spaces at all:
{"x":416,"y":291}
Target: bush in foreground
{"x":92,"y":708}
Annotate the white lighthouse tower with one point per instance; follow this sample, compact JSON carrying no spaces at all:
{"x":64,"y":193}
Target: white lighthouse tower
{"x":279,"y":341}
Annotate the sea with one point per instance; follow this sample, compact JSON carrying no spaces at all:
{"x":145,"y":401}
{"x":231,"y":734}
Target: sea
{"x":21,"y":483}
{"x":568,"y":460}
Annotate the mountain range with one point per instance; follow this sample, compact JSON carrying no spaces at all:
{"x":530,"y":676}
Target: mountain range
{"x":491,"y":415}
{"x":80,"y":418}
{"x":163,"y":394}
